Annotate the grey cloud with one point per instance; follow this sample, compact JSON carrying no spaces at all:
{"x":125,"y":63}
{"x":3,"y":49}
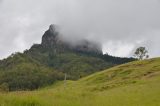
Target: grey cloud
{"x":120,"y":26}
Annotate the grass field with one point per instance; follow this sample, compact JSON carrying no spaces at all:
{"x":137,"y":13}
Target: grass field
{"x":132,"y":84}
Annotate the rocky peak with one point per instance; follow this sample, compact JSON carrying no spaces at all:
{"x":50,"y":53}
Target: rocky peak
{"x":51,"y":39}
{"x":88,"y":46}
{"x":53,"y":29}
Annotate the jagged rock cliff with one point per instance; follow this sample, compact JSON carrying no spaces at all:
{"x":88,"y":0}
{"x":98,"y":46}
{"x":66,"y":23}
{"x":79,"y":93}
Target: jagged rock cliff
{"x":52,"y":39}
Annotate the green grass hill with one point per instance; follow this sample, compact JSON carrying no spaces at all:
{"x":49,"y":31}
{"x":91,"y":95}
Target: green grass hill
{"x":132,"y":84}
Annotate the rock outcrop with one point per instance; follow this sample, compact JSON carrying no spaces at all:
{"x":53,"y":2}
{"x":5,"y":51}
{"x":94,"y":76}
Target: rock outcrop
{"x":51,"y":39}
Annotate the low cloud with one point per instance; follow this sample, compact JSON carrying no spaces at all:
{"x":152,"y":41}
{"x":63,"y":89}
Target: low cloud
{"x":120,"y":26}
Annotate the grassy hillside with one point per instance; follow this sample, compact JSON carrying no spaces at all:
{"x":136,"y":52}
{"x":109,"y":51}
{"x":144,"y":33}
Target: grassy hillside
{"x":132,"y":84}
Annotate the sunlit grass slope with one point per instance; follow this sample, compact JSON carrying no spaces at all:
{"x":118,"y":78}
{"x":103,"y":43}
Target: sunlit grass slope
{"x":132,"y":84}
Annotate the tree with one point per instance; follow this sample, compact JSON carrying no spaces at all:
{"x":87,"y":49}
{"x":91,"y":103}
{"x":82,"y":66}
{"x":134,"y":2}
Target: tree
{"x":141,"y":53}
{"x":4,"y":87}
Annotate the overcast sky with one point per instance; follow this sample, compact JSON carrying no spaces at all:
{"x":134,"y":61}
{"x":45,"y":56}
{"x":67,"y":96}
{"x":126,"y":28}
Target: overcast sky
{"x":120,"y":25}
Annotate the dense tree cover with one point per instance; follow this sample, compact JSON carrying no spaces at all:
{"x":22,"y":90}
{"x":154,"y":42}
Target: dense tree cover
{"x":109,"y":58}
{"x":41,"y":66}
{"x":117,"y":60}
{"x":75,"y":64}
{"x":19,"y":72}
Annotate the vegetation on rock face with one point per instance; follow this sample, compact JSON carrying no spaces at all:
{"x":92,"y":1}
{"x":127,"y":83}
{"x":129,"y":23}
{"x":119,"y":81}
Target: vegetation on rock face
{"x":47,"y":62}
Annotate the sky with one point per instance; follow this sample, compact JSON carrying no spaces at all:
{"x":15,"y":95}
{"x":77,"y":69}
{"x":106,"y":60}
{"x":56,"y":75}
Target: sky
{"x":119,"y":25}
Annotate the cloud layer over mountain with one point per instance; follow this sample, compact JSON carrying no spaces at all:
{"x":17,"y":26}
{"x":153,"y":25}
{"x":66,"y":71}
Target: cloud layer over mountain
{"x":120,"y":26}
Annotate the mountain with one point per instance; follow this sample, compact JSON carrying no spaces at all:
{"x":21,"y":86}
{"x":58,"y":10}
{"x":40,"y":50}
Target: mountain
{"x":45,"y":63}
{"x":52,"y":39}
{"x":132,"y":84}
